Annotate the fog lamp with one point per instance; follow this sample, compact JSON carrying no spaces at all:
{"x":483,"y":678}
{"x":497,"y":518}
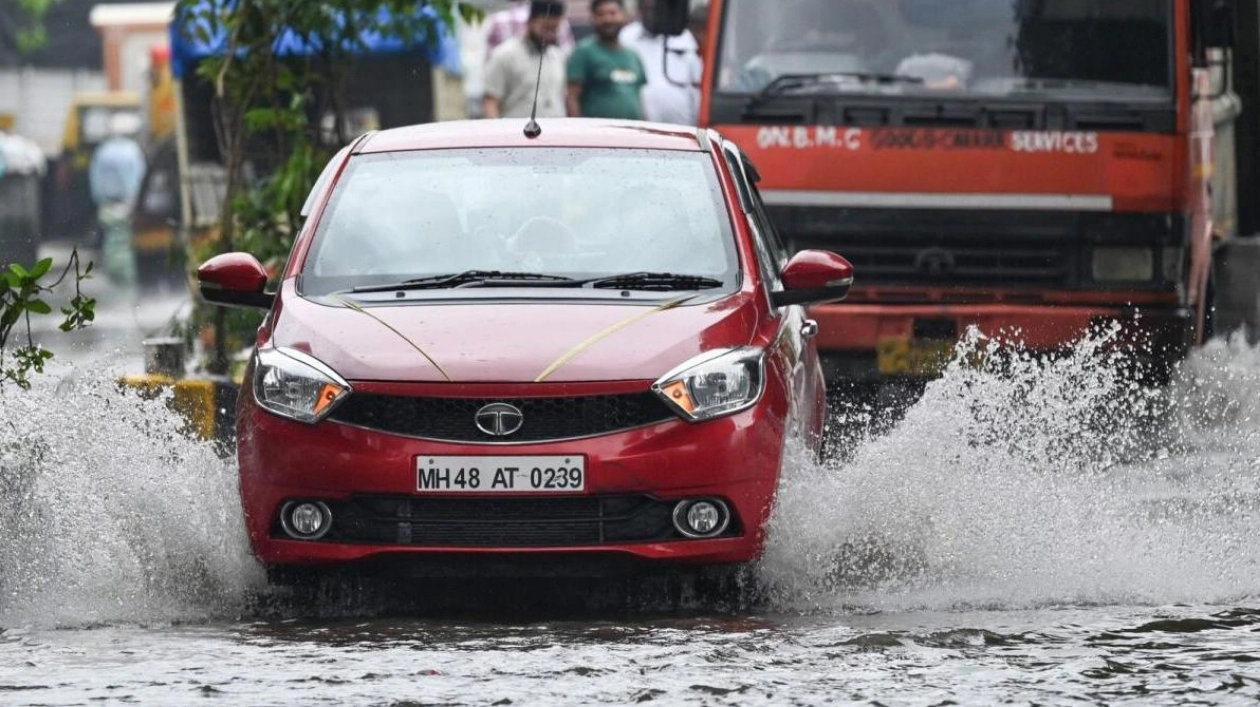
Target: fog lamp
{"x":701,"y":519}
{"x":307,"y":520}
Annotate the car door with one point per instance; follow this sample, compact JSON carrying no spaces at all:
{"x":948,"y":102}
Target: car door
{"x":796,"y":333}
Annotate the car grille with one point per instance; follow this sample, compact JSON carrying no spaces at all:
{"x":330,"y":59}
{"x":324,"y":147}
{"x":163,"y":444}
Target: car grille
{"x":503,"y":522}
{"x":545,"y":419}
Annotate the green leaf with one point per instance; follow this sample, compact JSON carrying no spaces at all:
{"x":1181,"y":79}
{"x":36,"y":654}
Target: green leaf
{"x":20,"y":271}
{"x":41,"y":268}
{"x":39,"y":307}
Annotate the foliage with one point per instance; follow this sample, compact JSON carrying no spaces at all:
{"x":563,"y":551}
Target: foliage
{"x":33,"y":35}
{"x":270,"y":113}
{"x":21,"y":293}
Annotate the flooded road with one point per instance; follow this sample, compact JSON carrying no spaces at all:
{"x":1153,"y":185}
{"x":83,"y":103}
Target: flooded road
{"x":1044,"y":534}
{"x":1184,"y":655}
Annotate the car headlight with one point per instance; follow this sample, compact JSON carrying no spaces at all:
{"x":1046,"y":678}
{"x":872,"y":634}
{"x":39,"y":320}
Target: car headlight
{"x":714,"y":384}
{"x":1123,"y":264}
{"x":295,"y":385}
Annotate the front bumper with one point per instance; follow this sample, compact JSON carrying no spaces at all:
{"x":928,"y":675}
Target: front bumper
{"x":368,"y":479}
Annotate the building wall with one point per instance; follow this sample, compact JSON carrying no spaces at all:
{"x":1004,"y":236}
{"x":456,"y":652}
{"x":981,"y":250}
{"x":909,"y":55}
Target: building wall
{"x":40,"y":98}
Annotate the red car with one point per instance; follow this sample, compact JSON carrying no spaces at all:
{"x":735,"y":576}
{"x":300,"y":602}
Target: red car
{"x":585,"y":349}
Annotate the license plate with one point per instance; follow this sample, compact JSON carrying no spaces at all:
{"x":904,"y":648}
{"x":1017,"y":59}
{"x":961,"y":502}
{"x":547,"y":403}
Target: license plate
{"x":500,"y":474}
{"x":922,"y":358}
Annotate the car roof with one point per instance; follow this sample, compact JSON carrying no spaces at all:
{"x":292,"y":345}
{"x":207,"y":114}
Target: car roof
{"x":556,"y":132}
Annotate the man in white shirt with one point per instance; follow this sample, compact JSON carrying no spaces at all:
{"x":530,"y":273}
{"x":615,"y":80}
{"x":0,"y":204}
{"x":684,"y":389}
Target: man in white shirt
{"x":512,"y":73}
{"x":672,"y":93}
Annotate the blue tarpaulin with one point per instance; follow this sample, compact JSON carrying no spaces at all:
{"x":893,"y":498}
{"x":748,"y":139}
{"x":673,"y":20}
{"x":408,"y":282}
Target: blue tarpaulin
{"x":191,"y":43}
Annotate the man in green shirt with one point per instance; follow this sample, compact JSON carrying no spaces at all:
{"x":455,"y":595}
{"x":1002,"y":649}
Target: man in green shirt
{"x":605,"y":78}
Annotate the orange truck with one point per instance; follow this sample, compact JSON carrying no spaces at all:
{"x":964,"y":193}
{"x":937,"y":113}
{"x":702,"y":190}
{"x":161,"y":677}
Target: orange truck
{"x":1033,"y":168}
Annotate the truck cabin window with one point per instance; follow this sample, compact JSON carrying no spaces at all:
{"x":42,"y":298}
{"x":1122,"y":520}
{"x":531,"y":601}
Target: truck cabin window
{"x":1091,"y":49}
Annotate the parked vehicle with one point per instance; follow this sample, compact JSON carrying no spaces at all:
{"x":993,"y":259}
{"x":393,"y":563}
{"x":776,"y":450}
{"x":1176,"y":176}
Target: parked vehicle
{"x":597,"y":363}
{"x":21,"y":169}
{"x":1032,"y":168}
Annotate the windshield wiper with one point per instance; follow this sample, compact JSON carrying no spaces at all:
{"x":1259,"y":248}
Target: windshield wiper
{"x":471,"y":278}
{"x":646,"y":281}
{"x":786,"y":82}
{"x":653,"y":281}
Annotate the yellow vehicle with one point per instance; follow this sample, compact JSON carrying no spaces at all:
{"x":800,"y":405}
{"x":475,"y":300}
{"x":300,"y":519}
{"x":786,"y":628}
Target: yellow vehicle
{"x":87,"y":124}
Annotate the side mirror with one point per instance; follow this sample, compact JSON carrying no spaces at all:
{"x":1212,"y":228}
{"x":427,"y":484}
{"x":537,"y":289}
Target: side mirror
{"x":814,"y":277}
{"x":235,"y":280}
{"x":670,"y":18}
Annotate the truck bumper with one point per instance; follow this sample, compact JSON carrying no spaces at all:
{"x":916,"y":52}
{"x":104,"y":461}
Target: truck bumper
{"x":866,"y":341}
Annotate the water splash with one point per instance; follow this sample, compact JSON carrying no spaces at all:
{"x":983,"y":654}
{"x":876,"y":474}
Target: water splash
{"x":1014,"y":481}
{"x":108,"y":513}
{"x":1020,"y":481}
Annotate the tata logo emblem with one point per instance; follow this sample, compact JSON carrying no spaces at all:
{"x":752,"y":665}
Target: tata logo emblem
{"x":935,"y":262}
{"x":499,"y":419}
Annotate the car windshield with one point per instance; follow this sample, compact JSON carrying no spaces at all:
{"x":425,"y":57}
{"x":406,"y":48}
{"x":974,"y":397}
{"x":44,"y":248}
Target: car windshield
{"x":1094,"y":49}
{"x":578,"y":213}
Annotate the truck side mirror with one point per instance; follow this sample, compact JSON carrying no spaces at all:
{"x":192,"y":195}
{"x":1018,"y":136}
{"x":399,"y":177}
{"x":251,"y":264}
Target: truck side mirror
{"x":670,"y":18}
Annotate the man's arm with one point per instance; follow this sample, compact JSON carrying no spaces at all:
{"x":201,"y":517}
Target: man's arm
{"x":643,"y":80}
{"x":491,"y":107}
{"x":496,"y":86}
{"x":575,"y":71}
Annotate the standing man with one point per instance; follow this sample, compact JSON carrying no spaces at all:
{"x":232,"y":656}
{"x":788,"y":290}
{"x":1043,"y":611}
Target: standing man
{"x":115,"y":173}
{"x":512,"y":73}
{"x":673,"y":70}
{"x":605,"y":78}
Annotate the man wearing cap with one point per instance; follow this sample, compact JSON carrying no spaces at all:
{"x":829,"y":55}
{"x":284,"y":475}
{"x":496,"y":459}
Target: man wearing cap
{"x":512,"y":73}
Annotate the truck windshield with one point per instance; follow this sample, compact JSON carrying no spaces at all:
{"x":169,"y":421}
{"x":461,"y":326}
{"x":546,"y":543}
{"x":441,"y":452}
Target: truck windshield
{"x":1094,"y":49}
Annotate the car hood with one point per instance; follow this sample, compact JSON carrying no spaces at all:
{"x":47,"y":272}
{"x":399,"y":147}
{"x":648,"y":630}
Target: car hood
{"x":518,"y":342}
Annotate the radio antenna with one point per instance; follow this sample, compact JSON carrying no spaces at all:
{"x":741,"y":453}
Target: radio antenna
{"x":532,"y":128}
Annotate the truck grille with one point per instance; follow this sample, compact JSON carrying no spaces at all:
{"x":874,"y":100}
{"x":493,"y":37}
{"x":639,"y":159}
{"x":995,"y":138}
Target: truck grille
{"x":941,"y":248}
{"x":502,"y":522}
{"x":545,"y":419}
{"x":971,"y":248}
{"x":933,"y":259}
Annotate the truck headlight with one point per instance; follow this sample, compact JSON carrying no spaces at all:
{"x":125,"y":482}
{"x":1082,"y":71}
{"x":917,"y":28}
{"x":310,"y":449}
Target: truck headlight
{"x":295,"y":385}
{"x":715,"y":384}
{"x":1123,"y":264}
